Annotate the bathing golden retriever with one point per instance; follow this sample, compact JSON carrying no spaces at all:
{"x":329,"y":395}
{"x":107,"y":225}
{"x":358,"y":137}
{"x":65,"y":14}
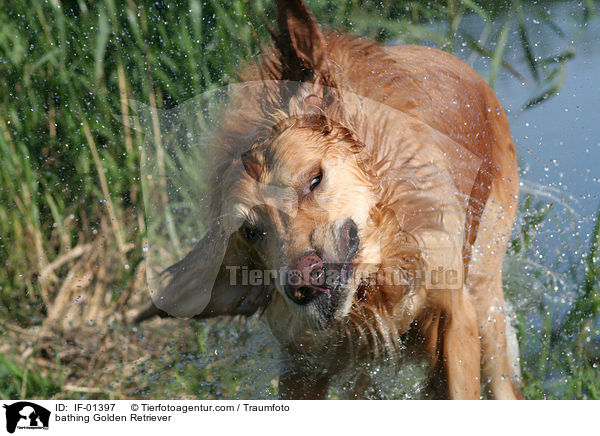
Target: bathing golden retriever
{"x":379,"y":184}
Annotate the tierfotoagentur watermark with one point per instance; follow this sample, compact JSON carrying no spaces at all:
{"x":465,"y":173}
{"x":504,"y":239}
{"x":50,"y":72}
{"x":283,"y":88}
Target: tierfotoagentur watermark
{"x":333,"y":276}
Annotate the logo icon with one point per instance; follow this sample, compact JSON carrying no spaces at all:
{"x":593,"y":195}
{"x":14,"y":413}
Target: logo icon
{"x":26,"y":415}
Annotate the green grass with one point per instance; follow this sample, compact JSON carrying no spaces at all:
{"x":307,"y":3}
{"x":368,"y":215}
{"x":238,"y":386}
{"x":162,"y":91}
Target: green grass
{"x":70,"y":182}
{"x":558,"y":331}
{"x":17,"y":382}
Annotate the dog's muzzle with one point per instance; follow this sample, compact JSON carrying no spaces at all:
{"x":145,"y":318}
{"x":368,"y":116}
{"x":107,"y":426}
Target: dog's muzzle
{"x":314,"y":278}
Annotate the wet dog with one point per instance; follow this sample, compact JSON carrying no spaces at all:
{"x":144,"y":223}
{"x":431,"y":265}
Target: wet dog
{"x":362,"y":199}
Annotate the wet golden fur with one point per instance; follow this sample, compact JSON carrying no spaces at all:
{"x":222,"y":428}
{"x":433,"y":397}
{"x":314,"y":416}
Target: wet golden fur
{"x":416,"y":149}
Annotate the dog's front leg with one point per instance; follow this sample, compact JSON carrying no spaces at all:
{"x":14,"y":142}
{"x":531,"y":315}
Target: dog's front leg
{"x":300,"y":382}
{"x":460,"y":347}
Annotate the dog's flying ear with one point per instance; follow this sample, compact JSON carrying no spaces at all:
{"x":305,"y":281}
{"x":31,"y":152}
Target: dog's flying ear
{"x":300,"y":42}
{"x":206,"y":282}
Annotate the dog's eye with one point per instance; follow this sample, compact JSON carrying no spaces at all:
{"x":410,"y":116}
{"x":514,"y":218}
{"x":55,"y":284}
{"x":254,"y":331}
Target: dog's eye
{"x":252,"y":234}
{"x":315,"y":182}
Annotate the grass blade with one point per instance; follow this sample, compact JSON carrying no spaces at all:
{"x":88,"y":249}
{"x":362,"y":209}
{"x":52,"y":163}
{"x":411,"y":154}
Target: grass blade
{"x":499,"y":52}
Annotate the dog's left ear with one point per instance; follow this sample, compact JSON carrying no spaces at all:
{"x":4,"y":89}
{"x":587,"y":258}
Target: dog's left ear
{"x":300,"y":42}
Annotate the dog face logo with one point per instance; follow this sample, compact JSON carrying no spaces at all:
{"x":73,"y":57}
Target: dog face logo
{"x":26,"y":415}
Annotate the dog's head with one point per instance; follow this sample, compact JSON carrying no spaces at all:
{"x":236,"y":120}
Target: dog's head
{"x":290,"y":207}
{"x":290,"y":215}
{"x":299,"y":205}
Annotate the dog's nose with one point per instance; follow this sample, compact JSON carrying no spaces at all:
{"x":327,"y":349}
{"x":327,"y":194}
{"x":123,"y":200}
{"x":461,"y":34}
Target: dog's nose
{"x":306,"y":279}
{"x":348,"y":238}
{"x":310,"y":267}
